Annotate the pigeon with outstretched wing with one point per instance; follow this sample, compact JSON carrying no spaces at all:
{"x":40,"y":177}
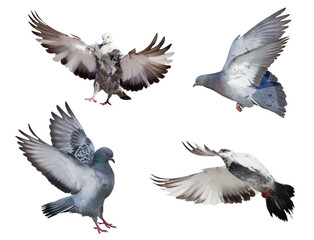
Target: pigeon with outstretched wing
{"x":72,"y":165}
{"x":235,"y":182}
{"x":245,"y":78}
{"x":112,"y":71}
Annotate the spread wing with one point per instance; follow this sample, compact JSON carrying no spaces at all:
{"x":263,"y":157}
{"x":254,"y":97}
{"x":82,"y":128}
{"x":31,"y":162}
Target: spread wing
{"x":265,"y":32}
{"x":71,"y":51}
{"x":68,"y":136}
{"x":199,"y":151}
{"x":211,"y":186}
{"x":146,"y":67}
{"x":251,"y":54}
{"x":249,"y":68}
{"x":61,"y":169}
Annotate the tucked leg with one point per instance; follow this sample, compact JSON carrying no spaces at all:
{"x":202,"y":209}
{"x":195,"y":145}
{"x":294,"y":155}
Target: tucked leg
{"x":239,"y":107}
{"x":267,"y":193}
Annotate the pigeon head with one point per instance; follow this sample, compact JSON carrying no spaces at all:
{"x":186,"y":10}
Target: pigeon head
{"x":224,"y":150}
{"x":107,"y":38}
{"x":208,"y":80}
{"x":102,"y":156}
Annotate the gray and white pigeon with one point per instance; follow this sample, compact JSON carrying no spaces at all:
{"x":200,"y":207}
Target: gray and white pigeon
{"x":238,"y":180}
{"x":244,"y":77}
{"x":103,"y":62}
{"x":72,"y":165}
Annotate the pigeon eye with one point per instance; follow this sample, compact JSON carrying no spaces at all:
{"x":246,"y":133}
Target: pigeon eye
{"x":108,"y":37}
{"x":107,"y":154}
{"x":198,"y":80}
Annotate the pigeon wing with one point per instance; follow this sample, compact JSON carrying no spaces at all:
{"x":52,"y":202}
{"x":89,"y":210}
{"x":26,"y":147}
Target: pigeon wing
{"x":71,"y":51}
{"x":61,"y":169}
{"x":199,"y":150}
{"x":141,"y":69}
{"x":265,"y":32}
{"x":249,"y":68}
{"x":68,"y":136}
{"x":211,"y":186}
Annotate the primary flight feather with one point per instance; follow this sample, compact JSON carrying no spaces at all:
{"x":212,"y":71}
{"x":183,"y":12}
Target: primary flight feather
{"x":112,"y":71}
{"x":245,"y":78}
{"x":72,"y":165}
{"x":235,"y":182}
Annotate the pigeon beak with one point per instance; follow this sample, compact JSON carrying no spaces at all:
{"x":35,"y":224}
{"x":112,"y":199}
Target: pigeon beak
{"x":194,"y":84}
{"x":112,"y":160}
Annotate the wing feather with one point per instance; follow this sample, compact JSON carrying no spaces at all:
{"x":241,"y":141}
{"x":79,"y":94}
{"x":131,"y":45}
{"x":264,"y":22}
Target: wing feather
{"x":61,"y":169}
{"x":68,"y":136}
{"x":211,"y":186}
{"x":146,"y":67}
{"x":71,"y":51}
{"x":249,"y":68}
{"x":263,"y":33}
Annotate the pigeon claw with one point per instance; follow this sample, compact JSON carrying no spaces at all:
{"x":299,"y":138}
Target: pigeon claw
{"x":267,"y":193}
{"x":99,"y":229}
{"x":104,"y":103}
{"x":91,"y":99}
{"x":108,"y":225}
{"x":239,"y":107}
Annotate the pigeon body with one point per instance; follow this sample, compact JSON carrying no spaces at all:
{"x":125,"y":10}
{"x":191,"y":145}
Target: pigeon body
{"x":244,"y":77}
{"x":235,"y":182}
{"x":112,"y":71}
{"x":72,"y":165}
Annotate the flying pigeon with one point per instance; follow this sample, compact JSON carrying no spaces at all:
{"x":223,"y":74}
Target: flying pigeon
{"x":238,"y":180}
{"x":244,"y":77}
{"x":113,"y":72}
{"x":72,"y":165}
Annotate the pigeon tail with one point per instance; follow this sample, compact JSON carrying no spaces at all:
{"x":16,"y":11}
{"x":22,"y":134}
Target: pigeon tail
{"x":59,"y":206}
{"x":123,"y":95}
{"x":279,"y":203}
{"x":270,"y":95}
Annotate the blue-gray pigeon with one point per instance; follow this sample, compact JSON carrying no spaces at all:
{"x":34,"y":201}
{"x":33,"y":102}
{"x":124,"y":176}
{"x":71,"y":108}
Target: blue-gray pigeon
{"x":238,"y":180}
{"x":244,"y":77}
{"x":103,"y":62}
{"x":72,"y":165}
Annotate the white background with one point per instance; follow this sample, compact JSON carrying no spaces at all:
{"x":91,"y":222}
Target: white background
{"x":146,"y":132}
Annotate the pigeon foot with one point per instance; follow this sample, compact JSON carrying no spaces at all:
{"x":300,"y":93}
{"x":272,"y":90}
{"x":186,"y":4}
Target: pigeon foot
{"x":99,"y":229}
{"x":91,"y":99}
{"x":104,"y":103}
{"x":108,"y":225}
{"x":239,"y":107}
{"x":267,"y":193}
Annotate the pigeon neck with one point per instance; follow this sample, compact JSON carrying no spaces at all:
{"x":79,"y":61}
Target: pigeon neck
{"x":212,"y":81}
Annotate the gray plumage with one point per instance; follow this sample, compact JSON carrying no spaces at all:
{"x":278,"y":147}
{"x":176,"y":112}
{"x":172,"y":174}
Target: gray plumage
{"x":244,"y":77}
{"x":235,"y":182}
{"x":112,"y":71}
{"x":72,"y":165}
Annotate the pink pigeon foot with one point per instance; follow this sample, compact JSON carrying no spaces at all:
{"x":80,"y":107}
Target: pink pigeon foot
{"x":108,"y":225}
{"x":99,"y":229}
{"x":267,"y":193}
{"x":107,"y":102}
{"x":91,"y":99}
{"x":239,"y":107}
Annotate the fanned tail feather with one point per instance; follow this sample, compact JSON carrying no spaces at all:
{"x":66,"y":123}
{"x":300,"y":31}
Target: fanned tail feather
{"x":270,"y":95}
{"x":59,"y":206}
{"x":280,"y":203}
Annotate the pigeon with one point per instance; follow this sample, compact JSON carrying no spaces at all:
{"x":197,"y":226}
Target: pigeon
{"x":235,"y":182}
{"x":245,"y":78}
{"x":72,"y":165}
{"x":112,"y":71}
